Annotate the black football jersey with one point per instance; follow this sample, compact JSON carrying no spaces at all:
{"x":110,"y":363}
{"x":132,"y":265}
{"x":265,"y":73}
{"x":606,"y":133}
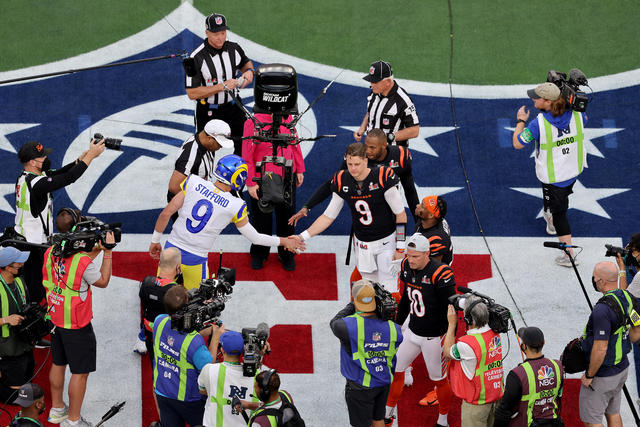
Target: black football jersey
{"x":439,"y":240}
{"x":426,"y":298}
{"x":398,"y":158}
{"x":371,"y":214}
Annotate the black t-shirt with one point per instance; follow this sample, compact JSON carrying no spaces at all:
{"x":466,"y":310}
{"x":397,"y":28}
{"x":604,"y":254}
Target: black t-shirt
{"x":439,"y":240}
{"x":25,"y":422}
{"x":425,"y":298}
{"x":372,"y":215}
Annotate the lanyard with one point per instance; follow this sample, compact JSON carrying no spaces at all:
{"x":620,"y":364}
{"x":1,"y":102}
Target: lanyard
{"x":28,"y":418}
{"x":22,"y":298}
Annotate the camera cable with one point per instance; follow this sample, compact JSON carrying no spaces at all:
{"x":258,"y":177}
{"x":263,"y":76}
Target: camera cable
{"x":464,"y":170}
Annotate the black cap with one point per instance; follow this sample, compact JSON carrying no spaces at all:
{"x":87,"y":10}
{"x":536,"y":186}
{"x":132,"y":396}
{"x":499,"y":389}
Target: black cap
{"x":216,"y":22}
{"x":28,"y":394}
{"x":379,"y":70}
{"x":32,"y":150}
{"x":531,"y":336}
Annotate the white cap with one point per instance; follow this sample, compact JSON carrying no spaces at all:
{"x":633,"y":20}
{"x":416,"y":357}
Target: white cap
{"x":221,"y":131}
{"x":418,"y":242}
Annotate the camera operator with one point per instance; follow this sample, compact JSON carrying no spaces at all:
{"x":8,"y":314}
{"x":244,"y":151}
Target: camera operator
{"x":606,"y":342}
{"x":197,"y":155}
{"x":178,"y":359}
{"x":560,"y":155}
{"x":31,"y":399}
{"x":152,"y":292}
{"x":68,"y":282}
{"x":34,"y":202}
{"x":211,"y":77}
{"x":277,"y":406}
{"x":389,"y":107}
{"x":475,"y":371}
{"x":533,"y":390}
{"x":428,"y":284}
{"x":254,"y":151}
{"x":367,"y":364}
{"x":625,"y":265}
{"x":222,"y":382}
{"x":204,"y":209}
{"x":16,"y":355}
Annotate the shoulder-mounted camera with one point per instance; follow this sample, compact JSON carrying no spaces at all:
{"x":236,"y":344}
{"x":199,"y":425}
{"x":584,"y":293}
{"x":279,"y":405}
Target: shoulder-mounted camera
{"x":499,"y":316}
{"x":570,"y":89}
{"x":84,"y":237}
{"x":254,"y":341}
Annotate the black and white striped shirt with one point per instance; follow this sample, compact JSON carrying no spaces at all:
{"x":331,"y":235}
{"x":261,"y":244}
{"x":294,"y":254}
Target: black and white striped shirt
{"x":195,"y":159}
{"x":393,"y":112}
{"x":215,"y":66}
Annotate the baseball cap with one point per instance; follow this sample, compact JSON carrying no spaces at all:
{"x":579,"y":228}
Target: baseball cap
{"x":545,"y":90}
{"x":364,"y":296}
{"x":216,"y":22}
{"x":10,"y":255}
{"x":232,"y":343}
{"x":379,"y":70}
{"x":32,"y":150}
{"x":418,"y":242}
{"x":531,"y":336}
{"x":219,"y":130}
{"x":28,"y":394}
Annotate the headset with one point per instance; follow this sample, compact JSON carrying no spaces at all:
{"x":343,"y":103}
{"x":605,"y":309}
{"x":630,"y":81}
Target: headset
{"x":265,"y":392}
{"x":467,"y":311}
{"x":74,"y":215}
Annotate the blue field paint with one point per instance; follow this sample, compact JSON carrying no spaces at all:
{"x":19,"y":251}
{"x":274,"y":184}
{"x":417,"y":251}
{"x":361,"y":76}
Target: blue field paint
{"x":611,"y":140}
{"x":504,"y":135}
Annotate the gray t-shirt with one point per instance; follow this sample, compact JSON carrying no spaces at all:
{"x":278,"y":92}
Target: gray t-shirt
{"x":91,"y":275}
{"x":634,"y":286}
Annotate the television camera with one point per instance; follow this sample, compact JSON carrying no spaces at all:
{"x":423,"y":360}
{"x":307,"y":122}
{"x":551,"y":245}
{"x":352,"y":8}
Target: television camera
{"x":206,"y":303}
{"x":499,"y":316}
{"x":84,"y":236}
{"x":34,"y":326}
{"x":570,"y":89}
{"x":255,"y":340}
{"x":385,"y":303}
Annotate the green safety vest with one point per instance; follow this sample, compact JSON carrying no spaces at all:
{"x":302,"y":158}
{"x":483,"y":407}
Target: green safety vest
{"x":531,"y":395}
{"x":560,"y":158}
{"x":273,"y":420}
{"x":220,"y":399}
{"x":4,"y":303}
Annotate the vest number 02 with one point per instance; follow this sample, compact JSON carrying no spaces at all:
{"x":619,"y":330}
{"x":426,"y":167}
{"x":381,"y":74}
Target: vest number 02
{"x":363,"y":209}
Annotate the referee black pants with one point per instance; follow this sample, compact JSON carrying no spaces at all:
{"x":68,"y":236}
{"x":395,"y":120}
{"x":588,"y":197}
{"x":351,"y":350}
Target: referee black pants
{"x":230,"y":113}
{"x":263,"y":223}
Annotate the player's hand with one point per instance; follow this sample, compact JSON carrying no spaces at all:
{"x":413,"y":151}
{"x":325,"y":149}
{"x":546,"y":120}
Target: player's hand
{"x":294,"y":244}
{"x":452,"y":316}
{"x":398,"y":255}
{"x":299,"y":179}
{"x":357,"y":135}
{"x":231,"y":84}
{"x":154,"y":250}
{"x":295,"y":218}
{"x":13,"y":320}
{"x":253,"y":191}
{"x":522,"y":114}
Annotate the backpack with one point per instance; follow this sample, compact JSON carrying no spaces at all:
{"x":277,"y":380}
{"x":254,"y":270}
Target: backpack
{"x":287,"y":411}
{"x":151,"y":296}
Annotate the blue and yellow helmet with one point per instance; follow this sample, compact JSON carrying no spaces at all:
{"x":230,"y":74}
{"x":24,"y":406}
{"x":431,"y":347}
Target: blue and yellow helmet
{"x":232,"y":170}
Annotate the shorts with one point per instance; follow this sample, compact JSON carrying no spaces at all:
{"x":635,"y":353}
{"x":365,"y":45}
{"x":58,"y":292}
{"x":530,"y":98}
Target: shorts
{"x":556,"y":199}
{"x":194,"y":267}
{"x":373,"y":260}
{"x":603,"y":399}
{"x":74,"y":347}
{"x":365,"y":404}
{"x":16,"y":370}
{"x":431,"y":348}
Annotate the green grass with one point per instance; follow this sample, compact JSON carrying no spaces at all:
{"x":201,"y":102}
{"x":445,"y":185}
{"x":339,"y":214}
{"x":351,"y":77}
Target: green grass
{"x":496,"y":42}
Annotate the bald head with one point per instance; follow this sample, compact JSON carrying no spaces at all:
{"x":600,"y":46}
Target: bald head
{"x":170,"y":259}
{"x":606,"y":271}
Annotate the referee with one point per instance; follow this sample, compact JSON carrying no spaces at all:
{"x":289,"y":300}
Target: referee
{"x":217,"y":62}
{"x":389,"y":107}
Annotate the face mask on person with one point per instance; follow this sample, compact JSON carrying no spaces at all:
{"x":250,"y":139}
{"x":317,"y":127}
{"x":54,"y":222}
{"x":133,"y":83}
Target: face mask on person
{"x":593,"y":282}
{"x":46,"y":164}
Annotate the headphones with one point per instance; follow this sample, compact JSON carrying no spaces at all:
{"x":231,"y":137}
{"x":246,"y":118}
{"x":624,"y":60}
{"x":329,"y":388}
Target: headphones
{"x":467,"y":312}
{"x":265,"y":392}
{"x":74,"y":215}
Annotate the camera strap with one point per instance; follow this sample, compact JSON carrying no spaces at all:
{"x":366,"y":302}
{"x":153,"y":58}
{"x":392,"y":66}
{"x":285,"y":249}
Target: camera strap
{"x":22,"y":297}
{"x":45,"y":224}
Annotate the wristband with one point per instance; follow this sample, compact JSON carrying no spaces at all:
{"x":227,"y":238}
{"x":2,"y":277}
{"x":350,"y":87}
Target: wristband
{"x":107,"y":256}
{"x":401,"y":235}
{"x":587,"y":376}
{"x":305,"y":235}
{"x":156,"y":236}
{"x":521,"y":121}
{"x":622,"y":274}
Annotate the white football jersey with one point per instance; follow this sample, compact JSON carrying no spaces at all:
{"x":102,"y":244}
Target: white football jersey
{"x":205,"y":212}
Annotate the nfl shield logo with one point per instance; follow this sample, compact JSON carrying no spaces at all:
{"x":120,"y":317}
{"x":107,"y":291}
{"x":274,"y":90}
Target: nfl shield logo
{"x":376,"y":336}
{"x":385,"y":122}
{"x":170,"y":341}
{"x":218,"y":20}
{"x":372,"y":70}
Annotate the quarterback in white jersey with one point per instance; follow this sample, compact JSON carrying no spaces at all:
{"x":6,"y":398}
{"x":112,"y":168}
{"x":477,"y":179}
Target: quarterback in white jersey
{"x":204,"y":209}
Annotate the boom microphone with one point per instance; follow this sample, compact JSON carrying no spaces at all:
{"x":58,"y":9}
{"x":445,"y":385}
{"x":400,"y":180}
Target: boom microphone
{"x":262,"y":331}
{"x":557,"y":245}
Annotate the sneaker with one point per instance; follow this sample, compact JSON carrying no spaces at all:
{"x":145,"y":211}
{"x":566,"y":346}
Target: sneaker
{"x":288,"y":263}
{"x":140,"y":347}
{"x":551,"y":230}
{"x":564,"y":261}
{"x":388,"y":422}
{"x":155,"y":424}
{"x":408,"y":378}
{"x":257,"y":263}
{"x":58,"y":415}
{"x":431,"y":399}
{"x":80,"y":423}
{"x":42,"y":343}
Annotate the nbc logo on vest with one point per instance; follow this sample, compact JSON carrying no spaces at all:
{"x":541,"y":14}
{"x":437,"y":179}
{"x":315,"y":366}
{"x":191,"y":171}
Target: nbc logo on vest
{"x":545,"y":375}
